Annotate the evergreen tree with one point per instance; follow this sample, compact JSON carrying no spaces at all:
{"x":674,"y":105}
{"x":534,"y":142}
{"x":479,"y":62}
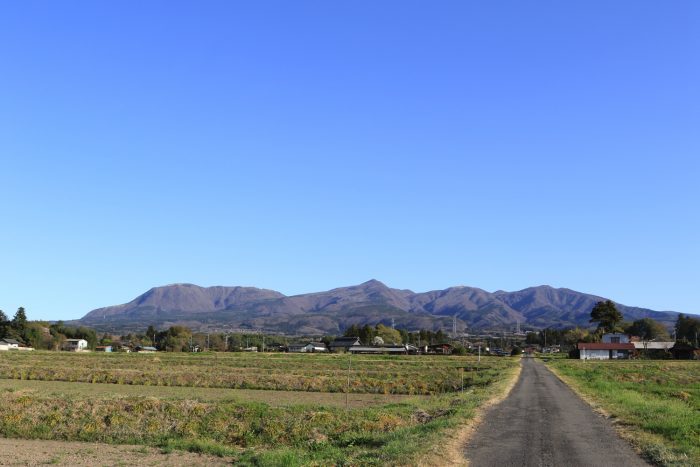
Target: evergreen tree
{"x":688,"y":329}
{"x":19,"y":322}
{"x":606,"y":315}
{"x":4,"y":324}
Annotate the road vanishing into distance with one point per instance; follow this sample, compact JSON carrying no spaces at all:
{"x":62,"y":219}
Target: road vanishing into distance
{"x":544,"y":423}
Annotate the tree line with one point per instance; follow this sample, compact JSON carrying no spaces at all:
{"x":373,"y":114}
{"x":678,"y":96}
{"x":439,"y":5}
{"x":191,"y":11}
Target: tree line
{"x":389,"y":335}
{"x":41,"y":334}
{"x":609,"y":320}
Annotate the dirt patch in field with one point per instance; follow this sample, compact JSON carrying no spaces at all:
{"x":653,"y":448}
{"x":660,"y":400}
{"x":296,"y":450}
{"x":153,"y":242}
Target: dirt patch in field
{"x":39,"y":452}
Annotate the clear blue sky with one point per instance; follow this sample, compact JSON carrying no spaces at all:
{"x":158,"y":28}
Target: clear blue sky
{"x":301,"y":146}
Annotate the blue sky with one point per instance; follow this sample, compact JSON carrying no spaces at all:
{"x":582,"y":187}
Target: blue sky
{"x":301,"y":146}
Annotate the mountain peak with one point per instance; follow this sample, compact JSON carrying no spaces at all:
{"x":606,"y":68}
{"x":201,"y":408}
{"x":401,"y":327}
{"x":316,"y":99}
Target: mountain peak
{"x":374,"y":282}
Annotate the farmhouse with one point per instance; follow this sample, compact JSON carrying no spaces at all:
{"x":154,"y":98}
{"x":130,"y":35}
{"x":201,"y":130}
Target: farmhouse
{"x":310,"y":347}
{"x":9,"y":344}
{"x":613,"y":346}
{"x":75,"y":345}
{"x":343,"y":344}
{"x":444,"y":349}
{"x":604,"y":351}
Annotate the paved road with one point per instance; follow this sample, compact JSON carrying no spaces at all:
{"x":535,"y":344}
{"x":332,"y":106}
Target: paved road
{"x":543,"y":423}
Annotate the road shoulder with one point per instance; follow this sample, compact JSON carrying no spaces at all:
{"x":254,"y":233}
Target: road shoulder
{"x":451,"y":450}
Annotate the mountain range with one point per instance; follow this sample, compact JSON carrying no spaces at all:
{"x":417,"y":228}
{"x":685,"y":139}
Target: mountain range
{"x":330,"y":312}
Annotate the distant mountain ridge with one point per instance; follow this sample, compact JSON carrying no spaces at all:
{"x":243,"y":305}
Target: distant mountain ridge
{"x":372,"y":302}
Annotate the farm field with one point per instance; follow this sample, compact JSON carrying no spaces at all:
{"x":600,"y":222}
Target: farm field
{"x":399,"y":408}
{"x":287,"y":372}
{"x":655,"y":403}
{"x":271,"y":397}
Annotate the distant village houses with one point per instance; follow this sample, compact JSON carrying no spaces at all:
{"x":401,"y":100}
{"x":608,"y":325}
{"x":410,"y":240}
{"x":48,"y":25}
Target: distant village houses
{"x":75,"y":345}
{"x":311,"y":347}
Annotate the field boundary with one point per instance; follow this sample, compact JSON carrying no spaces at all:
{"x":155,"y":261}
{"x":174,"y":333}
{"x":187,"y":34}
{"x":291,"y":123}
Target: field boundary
{"x":451,"y":451}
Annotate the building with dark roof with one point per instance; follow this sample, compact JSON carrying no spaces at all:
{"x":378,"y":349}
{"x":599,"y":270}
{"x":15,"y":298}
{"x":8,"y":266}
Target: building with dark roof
{"x":343,"y":344}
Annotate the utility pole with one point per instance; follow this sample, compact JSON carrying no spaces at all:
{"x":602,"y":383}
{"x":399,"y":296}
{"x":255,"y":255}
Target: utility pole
{"x":347,"y":391}
{"x":545,"y":338}
{"x":226,"y":345}
{"x":208,"y":343}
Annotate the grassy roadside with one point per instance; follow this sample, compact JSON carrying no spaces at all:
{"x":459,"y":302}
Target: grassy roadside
{"x":449,"y":448}
{"x":656,"y":404}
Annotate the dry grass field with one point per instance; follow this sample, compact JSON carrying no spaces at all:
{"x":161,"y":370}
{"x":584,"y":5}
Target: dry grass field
{"x":398,"y":407}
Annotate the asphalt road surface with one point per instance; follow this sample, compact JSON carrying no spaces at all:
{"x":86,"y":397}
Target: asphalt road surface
{"x":543,"y":423}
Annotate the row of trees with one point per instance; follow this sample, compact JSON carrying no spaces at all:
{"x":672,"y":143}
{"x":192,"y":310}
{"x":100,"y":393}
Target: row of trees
{"x":40,"y":334}
{"x":610,"y":319}
{"x":388,"y":335}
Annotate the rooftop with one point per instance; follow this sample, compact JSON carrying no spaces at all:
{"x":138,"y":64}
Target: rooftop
{"x":604,"y":346}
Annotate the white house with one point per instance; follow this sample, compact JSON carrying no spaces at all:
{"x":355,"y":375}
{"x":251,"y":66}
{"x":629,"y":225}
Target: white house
{"x":316,"y":347}
{"x":613,"y":346}
{"x":75,"y":345}
{"x":9,"y":344}
{"x":311,"y":347}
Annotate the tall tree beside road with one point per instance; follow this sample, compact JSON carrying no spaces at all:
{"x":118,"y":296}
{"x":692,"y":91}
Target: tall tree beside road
{"x":606,"y":315}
